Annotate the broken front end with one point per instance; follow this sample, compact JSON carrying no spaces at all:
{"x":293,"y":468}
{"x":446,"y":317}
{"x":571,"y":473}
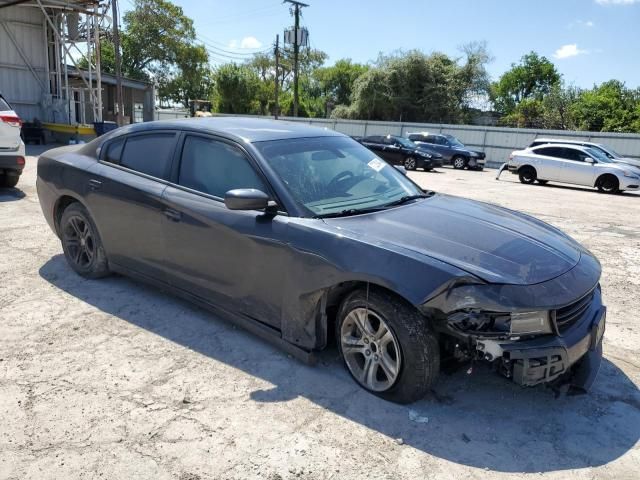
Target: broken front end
{"x":550,"y":332}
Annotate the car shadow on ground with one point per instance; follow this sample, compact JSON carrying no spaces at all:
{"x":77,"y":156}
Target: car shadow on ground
{"x":593,"y":191}
{"x":11,"y":194}
{"x":478,"y":419}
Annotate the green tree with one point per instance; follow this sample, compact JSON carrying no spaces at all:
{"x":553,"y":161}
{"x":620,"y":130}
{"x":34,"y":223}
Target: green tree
{"x":336,"y":82}
{"x":236,"y":88}
{"x":531,"y":79}
{"x":191,"y":79}
{"x":609,"y":107}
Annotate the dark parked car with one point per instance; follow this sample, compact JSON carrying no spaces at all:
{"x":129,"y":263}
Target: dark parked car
{"x":452,"y":150}
{"x":400,"y":151}
{"x":294,"y":232}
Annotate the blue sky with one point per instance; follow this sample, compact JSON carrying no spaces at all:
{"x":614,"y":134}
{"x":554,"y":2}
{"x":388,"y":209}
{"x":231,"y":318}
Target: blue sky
{"x":590,"y":41}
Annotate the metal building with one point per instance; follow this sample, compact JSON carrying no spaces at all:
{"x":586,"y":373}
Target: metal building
{"x":42,"y":45}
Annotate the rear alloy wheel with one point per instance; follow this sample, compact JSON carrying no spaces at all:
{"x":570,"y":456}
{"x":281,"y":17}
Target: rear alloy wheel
{"x":410,"y":163}
{"x":527,"y":175}
{"x":459,"y":163}
{"x":387,"y":346}
{"x":81,"y":243}
{"x":608,"y":184}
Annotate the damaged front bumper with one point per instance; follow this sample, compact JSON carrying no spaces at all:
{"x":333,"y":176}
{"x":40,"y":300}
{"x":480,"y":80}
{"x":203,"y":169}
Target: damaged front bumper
{"x":572,"y":357}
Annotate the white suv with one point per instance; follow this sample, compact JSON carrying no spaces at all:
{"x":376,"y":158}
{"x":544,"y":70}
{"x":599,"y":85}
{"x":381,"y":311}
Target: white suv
{"x":574,"y":164}
{"x":11,"y":146}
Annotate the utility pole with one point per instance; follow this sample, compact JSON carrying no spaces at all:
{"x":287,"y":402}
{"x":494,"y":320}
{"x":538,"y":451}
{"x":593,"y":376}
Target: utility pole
{"x":116,"y":46}
{"x":277,"y":54}
{"x":297,"y":6}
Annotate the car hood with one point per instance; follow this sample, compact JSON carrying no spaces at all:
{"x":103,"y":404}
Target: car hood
{"x":628,"y":161}
{"x":490,"y":242}
{"x":428,"y":150}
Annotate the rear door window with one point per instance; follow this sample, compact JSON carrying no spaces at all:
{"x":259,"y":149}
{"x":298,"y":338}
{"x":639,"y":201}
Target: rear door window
{"x":149,"y":154}
{"x":555,"y":152}
{"x":113,"y":151}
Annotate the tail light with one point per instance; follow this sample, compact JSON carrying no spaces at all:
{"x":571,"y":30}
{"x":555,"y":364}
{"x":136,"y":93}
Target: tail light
{"x":12,"y":120}
{"x":20,"y":161}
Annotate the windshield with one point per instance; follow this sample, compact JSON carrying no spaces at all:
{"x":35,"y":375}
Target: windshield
{"x":454,"y":141}
{"x":608,"y":151}
{"x":598,"y":155}
{"x":405,"y":142}
{"x":330,"y":175}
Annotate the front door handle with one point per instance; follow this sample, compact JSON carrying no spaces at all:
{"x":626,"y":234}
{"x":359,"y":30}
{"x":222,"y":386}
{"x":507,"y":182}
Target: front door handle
{"x":95,"y":184}
{"x":172,"y":215}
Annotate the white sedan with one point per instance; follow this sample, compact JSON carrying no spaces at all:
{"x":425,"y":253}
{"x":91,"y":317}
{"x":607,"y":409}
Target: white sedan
{"x":11,"y":146}
{"x":573,"y":164}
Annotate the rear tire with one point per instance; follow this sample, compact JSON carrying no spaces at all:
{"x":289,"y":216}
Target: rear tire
{"x":459,"y":162}
{"x":8,"y":181}
{"x":527,"y":175}
{"x":608,"y":184}
{"x":387,"y":346}
{"x":81,"y":243}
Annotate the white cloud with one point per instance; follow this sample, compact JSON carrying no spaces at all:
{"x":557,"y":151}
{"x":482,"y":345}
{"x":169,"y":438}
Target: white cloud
{"x":582,"y":23}
{"x":247,"y":42}
{"x":617,"y":2}
{"x":570,"y":50}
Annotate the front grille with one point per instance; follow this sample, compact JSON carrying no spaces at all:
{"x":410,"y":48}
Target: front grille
{"x":568,"y":315}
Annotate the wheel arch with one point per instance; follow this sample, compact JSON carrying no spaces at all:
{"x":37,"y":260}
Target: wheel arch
{"x":336,"y":294}
{"x":61,"y":204}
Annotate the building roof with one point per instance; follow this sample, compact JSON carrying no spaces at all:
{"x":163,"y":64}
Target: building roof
{"x":244,"y":129}
{"x":108,"y":78}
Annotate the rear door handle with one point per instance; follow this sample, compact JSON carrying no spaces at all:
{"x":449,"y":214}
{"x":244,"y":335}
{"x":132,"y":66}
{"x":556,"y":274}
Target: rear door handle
{"x":172,"y":215}
{"x":95,"y":184}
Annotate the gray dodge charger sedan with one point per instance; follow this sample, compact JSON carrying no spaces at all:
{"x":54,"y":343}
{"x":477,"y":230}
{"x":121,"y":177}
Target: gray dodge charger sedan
{"x":303,"y":236}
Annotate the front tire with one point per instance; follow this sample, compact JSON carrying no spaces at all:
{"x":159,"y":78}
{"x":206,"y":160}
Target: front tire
{"x":459,"y":162}
{"x":410,"y":163}
{"x":608,"y":184}
{"x":387,"y":346}
{"x":81,"y":243}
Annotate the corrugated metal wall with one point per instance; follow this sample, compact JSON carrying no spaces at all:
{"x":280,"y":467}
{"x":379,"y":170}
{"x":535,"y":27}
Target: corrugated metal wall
{"x":18,"y":83}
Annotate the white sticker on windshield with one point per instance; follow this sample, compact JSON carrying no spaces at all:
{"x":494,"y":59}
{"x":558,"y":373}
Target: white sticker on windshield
{"x":376,"y":164}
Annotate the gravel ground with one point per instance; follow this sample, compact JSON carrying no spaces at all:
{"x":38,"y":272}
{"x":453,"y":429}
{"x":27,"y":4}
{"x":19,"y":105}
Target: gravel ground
{"x":114,"y":380}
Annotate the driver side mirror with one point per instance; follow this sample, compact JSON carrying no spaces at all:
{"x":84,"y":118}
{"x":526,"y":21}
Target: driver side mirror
{"x":247,"y":199}
{"x":589,"y":160}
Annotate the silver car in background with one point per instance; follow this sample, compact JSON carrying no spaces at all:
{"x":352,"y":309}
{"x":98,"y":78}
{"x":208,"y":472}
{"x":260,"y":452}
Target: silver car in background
{"x":575,"y":164}
{"x":607,"y":150}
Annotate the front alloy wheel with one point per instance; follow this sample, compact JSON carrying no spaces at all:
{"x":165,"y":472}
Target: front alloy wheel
{"x":459,"y":163}
{"x":370,"y":350}
{"x":387,"y":345}
{"x":410,"y":163}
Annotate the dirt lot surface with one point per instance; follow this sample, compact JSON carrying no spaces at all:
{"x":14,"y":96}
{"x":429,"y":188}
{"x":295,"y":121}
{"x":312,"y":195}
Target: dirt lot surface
{"x":114,"y":380}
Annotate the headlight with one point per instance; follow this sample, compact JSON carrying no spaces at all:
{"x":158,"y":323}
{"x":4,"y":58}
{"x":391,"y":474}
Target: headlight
{"x":425,"y":154}
{"x":502,"y":324}
{"x":528,"y":323}
{"x":473,"y":154}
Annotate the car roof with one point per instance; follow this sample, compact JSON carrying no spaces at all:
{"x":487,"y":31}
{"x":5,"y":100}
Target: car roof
{"x":565,"y":141}
{"x":563,"y":145}
{"x":244,"y":129}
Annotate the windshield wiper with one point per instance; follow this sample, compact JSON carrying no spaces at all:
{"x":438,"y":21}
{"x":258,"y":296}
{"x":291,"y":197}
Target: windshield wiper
{"x":350,"y":212}
{"x":408,"y":198}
